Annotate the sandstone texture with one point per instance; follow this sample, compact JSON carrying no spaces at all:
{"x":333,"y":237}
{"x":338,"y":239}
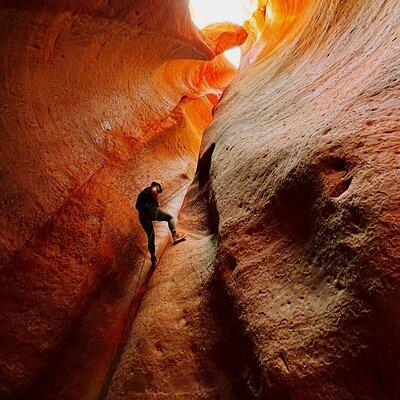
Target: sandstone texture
{"x":288,"y":285}
{"x":301,"y":165}
{"x":97,"y":99}
{"x":305,"y":176}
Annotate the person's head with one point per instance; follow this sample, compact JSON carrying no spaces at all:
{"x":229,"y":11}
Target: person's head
{"x":158,"y":185}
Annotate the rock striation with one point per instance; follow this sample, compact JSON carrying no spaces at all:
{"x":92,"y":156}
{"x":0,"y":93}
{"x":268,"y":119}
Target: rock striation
{"x":301,"y":166}
{"x":305,"y":179}
{"x":97,"y":99}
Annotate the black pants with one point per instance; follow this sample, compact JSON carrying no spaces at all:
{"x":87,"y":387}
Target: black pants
{"x":146,"y":218}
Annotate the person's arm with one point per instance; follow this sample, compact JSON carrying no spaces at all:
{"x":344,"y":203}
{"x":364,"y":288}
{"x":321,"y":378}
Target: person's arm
{"x":154,"y":193}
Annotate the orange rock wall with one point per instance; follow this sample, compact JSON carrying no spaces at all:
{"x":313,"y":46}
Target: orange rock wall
{"x":305,"y":177}
{"x":298,"y":180}
{"x":291,"y":289}
{"x":92,"y":111}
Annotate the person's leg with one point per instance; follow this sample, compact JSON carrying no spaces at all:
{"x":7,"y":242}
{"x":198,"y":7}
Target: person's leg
{"x":147,"y":225}
{"x":161,"y":215}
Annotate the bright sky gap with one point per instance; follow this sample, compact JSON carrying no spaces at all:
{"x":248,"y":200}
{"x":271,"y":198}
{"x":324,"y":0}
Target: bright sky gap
{"x":206,"y":12}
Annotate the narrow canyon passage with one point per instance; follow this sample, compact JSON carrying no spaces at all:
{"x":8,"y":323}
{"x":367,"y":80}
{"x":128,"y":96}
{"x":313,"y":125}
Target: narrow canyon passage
{"x":284,"y":173}
{"x":179,"y":346}
{"x":174,"y":350}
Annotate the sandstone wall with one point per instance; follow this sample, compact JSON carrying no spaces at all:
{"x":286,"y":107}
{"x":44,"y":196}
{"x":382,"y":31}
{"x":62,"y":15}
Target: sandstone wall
{"x":301,"y":168}
{"x":287,"y":287}
{"x":91,"y":113}
{"x":305,"y":176}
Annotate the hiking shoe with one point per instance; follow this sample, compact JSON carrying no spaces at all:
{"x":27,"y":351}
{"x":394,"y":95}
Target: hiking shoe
{"x":178,"y":238}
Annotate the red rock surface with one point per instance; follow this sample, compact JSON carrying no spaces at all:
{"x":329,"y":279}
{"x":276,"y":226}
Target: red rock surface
{"x":303,"y":193}
{"x":305,"y":176}
{"x":178,"y":348}
{"x":97,"y":99}
{"x":287,"y":287}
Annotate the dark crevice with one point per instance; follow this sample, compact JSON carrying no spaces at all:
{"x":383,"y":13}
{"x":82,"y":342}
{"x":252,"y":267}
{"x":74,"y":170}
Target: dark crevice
{"x":134,"y":308}
{"x":335,"y":163}
{"x":235,"y":350}
{"x":249,"y":380}
{"x":200,"y":198}
{"x":204,"y":166}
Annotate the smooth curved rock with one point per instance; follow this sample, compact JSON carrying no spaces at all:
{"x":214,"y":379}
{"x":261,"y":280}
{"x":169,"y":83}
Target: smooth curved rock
{"x":90,"y":115}
{"x":302,"y":169}
{"x":296,"y":199}
{"x":305,"y":176}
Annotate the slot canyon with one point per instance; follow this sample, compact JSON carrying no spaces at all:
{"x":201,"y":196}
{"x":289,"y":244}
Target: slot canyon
{"x":284,"y":174}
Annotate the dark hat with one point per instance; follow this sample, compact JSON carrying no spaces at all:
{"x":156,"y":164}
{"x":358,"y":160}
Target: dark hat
{"x":159,"y":184}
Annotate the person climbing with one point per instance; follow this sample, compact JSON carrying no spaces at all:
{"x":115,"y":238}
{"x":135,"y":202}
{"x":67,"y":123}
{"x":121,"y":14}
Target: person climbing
{"x":149,"y":211}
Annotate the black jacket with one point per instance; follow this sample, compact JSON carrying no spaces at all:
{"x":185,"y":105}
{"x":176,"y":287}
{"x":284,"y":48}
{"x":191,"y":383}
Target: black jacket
{"x":145,"y":199}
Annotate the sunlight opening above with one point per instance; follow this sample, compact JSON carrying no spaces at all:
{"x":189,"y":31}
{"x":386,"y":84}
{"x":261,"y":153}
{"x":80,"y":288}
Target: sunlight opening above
{"x":206,"y":12}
